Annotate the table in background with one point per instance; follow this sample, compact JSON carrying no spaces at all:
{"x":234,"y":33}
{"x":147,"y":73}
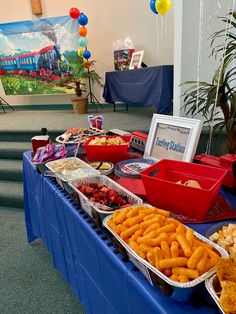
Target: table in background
{"x":104,"y":281}
{"x":151,"y":86}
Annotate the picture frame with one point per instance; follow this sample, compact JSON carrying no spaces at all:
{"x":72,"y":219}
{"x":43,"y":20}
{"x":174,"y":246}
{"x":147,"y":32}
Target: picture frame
{"x":136,"y":60}
{"x":172,"y":137}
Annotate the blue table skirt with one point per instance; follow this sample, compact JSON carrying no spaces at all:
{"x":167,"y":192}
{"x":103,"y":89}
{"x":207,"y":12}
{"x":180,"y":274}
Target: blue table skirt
{"x":151,"y":86}
{"x":104,"y":281}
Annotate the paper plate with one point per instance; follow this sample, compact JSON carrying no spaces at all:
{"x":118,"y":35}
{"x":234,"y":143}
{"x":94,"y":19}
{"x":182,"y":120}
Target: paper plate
{"x":131,"y":168}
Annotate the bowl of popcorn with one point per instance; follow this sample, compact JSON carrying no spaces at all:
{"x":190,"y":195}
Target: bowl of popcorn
{"x":107,"y":148}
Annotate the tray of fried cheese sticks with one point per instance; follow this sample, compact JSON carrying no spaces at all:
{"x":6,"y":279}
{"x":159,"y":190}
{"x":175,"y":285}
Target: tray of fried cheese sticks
{"x":171,"y":256}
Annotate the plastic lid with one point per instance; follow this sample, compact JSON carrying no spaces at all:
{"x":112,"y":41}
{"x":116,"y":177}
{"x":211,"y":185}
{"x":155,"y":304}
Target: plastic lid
{"x":104,"y":167}
{"x":131,"y":168}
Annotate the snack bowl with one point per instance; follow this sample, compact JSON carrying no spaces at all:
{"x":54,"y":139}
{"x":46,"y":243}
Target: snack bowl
{"x":169,"y":177}
{"x":63,"y":178}
{"x":98,"y":211}
{"x":179,"y":291}
{"x":104,"y":167}
{"x":111,"y":153}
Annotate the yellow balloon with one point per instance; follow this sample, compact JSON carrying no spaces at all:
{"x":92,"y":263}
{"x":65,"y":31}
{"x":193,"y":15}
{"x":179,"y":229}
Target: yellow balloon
{"x":163,"y":6}
{"x":80,"y":52}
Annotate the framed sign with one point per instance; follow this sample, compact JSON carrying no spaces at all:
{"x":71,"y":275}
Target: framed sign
{"x":173,"y":138}
{"x":136,"y":60}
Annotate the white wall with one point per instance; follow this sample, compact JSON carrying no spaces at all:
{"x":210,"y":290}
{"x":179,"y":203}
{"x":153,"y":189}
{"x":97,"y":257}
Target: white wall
{"x":191,"y":52}
{"x":109,"y":20}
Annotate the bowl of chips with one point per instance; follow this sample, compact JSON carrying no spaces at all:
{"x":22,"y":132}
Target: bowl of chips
{"x":107,"y":148}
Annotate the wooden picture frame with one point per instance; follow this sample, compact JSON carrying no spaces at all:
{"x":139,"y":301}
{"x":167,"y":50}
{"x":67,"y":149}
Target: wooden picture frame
{"x":172,"y":137}
{"x":136,"y":60}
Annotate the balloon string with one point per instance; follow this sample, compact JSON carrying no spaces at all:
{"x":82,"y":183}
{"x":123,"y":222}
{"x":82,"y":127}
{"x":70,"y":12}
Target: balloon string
{"x":158,"y":41}
{"x":227,"y":30}
{"x":199,"y":50}
{"x":162,"y":39}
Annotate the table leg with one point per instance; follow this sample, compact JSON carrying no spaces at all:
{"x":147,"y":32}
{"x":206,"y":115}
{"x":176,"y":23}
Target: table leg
{"x":114,"y":106}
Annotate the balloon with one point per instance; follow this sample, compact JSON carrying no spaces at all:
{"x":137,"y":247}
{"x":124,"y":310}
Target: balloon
{"x":82,"y":31}
{"x":87,"y":64}
{"x":83,"y":19}
{"x":163,"y":6}
{"x":86,"y":54}
{"x":80,"y":52}
{"x":153,"y":6}
{"x":83,"y":41}
{"x":74,"y":13}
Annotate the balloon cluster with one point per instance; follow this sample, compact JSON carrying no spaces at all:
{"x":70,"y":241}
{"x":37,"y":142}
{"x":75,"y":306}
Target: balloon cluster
{"x":82,"y":32}
{"x":160,"y":6}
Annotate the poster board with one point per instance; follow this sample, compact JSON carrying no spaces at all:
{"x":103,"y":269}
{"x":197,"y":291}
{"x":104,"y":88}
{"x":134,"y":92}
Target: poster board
{"x":35,"y":55}
{"x":172,"y":137}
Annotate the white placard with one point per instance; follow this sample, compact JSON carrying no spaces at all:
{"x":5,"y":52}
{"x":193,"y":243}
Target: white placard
{"x":173,"y":138}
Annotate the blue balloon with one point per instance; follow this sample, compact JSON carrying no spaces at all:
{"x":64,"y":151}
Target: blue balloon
{"x":86,"y":54}
{"x":83,"y":41}
{"x":83,"y":19}
{"x":153,"y":6}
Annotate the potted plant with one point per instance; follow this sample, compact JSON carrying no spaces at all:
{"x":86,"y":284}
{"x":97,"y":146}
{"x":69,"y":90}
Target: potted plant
{"x":205,"y":98}
{"x":79,"y":73}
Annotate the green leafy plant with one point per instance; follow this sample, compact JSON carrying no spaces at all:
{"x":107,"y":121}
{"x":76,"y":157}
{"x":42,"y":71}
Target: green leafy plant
{"x":80,"y":71}
{"x":205,"y":98}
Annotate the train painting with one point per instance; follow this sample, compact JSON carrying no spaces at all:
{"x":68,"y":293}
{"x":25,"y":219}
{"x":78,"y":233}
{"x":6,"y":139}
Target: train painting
{"x":36,"y":55}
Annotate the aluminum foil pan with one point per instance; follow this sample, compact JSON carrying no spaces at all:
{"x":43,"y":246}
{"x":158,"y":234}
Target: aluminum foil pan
{"x":209,"y":283}
{"x":89,"y":206}
{"x":172,"y":283}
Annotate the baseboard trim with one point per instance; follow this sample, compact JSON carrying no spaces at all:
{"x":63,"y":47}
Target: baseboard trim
{"x":68,"y":106}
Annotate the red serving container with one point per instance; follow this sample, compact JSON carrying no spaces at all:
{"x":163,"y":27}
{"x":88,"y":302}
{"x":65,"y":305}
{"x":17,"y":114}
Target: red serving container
{"x":162,"y":190}
{"x":112,"y":153}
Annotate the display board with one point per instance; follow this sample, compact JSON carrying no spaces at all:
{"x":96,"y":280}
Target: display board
{"x":35,"y":55}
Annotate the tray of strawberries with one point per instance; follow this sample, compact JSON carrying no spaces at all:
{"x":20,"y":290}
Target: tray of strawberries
{"x":99,"y":196}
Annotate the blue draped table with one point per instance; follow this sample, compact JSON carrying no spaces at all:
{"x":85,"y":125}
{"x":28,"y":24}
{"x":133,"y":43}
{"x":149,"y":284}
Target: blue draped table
{"x":151,"y":86}
{"x":104,"y":281}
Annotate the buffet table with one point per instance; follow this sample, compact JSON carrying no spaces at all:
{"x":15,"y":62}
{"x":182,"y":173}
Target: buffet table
{"x":103,"y":280}
{"x":151,"y":86}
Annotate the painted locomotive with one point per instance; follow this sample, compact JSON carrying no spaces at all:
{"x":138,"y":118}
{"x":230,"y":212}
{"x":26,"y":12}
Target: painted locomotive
{"x":48,"y":63}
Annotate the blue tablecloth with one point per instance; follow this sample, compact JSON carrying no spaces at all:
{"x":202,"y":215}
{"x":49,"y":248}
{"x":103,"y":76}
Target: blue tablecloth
{"x":104,"y":281}
{"x":151,"y":86}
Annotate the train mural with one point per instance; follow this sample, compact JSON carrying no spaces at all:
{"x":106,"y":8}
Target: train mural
{"x":47,"y":63}
{"x":36,"y":56}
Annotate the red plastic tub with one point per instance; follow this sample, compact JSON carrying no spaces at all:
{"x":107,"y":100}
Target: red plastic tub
{"x":160,"y":182}
{"x":112,"y":153}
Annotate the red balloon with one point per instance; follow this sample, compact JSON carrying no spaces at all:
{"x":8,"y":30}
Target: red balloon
{"x":74,"y":13}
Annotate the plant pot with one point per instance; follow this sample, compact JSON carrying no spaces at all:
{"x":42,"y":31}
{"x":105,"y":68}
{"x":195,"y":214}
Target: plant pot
{"x":80,"y":104}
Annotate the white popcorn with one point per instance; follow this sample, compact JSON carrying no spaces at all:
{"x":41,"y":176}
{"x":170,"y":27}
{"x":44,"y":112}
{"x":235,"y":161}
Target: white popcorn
{"x":226,"y":237}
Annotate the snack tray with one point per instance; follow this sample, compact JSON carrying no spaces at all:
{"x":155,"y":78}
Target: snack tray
{"x":89,"y":206}
{"x":211,"y":290}
{"x":65,"y":178}
{"x":218,"y":226}
{"x":173,"y":283}
{"x":96,"y":132}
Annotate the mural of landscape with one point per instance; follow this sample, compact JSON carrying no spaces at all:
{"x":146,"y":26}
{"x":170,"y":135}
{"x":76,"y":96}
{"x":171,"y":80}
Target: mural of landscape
{"x":35,"y":56}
